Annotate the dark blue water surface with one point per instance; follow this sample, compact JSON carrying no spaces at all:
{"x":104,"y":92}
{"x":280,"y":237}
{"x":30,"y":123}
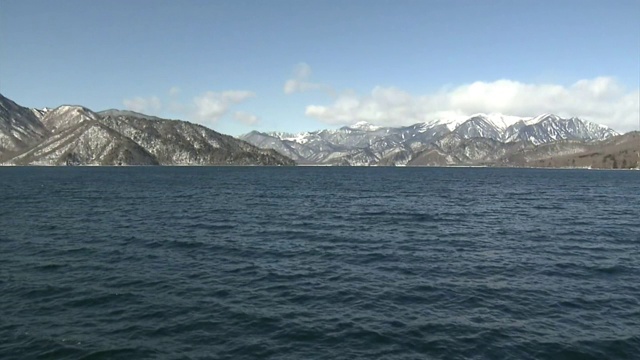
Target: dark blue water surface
{"x":319,"y":263}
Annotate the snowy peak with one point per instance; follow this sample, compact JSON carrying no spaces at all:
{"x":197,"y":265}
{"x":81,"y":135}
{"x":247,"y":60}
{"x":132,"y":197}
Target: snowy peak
{"x":479,"y":127}
{"x":40,"y":113}
{"x":300,"y":138}
{"x":543,"y":117}
{"x":363,"y":126}
{"x":67,"y":116}
{"x":278,"y":134}
{"x":499,"y":121}
{"x":535,"y":130}
{"x":451,"y":124}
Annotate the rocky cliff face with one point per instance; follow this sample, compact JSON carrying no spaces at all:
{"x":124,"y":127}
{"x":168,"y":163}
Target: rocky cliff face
{"x":74,"y":135}
{"x":365,"y":144}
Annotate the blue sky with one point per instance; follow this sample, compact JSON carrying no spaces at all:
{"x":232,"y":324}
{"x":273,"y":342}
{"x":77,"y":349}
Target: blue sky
{"x":291,"y":65}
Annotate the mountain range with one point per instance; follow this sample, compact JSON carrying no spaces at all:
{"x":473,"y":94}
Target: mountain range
{"x":75,"y":135}
{"x":480,"y":139}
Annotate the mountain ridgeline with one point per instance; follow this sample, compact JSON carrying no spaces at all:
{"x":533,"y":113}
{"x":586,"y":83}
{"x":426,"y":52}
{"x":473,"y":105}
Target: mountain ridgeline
{"x":75,"y":135}
{"x":480,"y":140}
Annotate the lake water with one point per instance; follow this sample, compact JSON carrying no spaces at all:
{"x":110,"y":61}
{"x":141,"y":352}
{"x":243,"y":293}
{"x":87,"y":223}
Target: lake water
{"x":319,"y":263}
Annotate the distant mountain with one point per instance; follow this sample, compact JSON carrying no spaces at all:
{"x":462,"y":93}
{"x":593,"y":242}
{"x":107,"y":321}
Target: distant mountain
{"x":75,"y":135}
{"x":619,"y":152}
{"x":454,"y":149}
{"x":547,"y":128}
{"x":366,"y":144}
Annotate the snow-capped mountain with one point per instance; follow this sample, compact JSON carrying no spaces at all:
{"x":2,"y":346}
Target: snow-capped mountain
{"x":20,"y":128}
{"x":363,"y":144}
{"x":365,"y":126}
{"x":367,"y":144}
{"x":547,"y":128}
{"x":75,"y":135}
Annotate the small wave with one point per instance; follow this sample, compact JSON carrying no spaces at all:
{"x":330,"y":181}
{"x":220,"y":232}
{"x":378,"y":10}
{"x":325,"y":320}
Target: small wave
{"x":119,"y":353}
{"x":211,"y":227}
{"x":89,"y":301}
{"x":610,"y":269}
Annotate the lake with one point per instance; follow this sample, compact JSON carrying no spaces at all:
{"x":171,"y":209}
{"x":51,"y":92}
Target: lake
{"x":318,"y":263}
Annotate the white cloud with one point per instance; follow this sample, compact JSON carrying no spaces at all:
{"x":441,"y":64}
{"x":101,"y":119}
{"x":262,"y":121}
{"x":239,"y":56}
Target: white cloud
{"x":206,"y":108}
{"x":245,"y":118}
{"x":300,"y":81}
{"x":601,"y":100}
{"x":148,"y":105}
{"x":211,"y":106}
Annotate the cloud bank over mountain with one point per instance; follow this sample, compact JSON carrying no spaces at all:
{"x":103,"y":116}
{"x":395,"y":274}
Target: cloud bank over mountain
{"x":602,"y":100}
